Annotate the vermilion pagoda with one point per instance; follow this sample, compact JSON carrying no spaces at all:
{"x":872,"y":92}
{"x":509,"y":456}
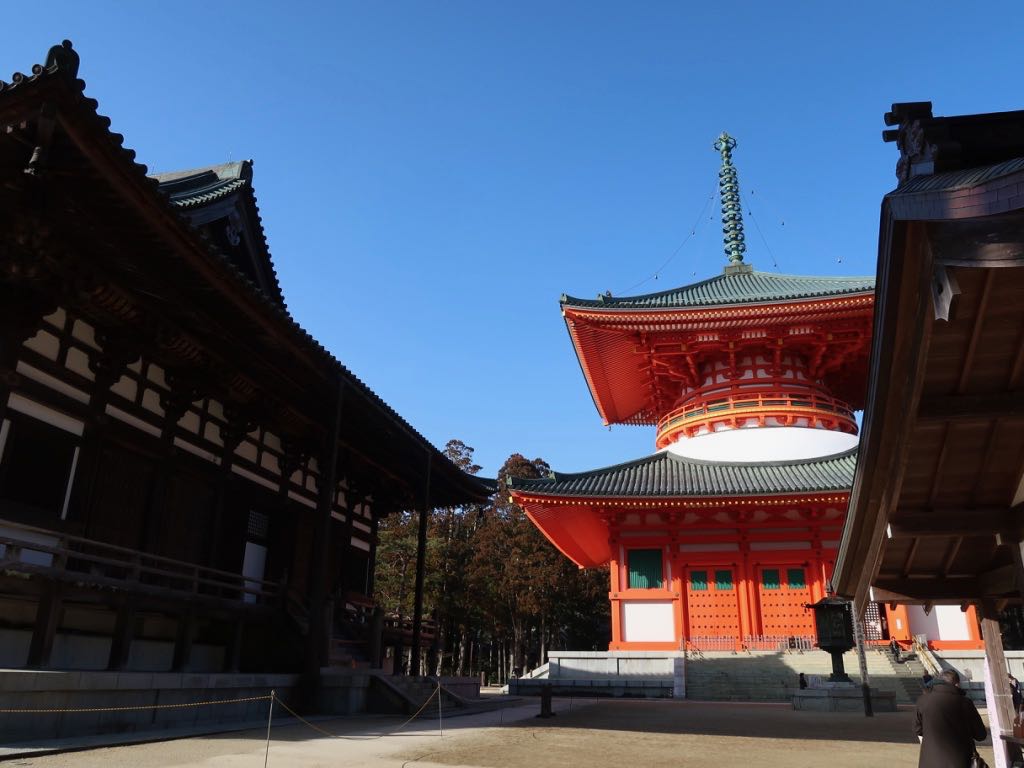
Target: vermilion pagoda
{"x":721,"y":538}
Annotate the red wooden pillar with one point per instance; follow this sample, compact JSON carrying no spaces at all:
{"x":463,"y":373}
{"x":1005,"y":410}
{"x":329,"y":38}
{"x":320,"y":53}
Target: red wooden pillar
{"x":743,"y":586}
{"x":613,"y":585}
{"x":754,"y":600}
{"x":678,"y":586}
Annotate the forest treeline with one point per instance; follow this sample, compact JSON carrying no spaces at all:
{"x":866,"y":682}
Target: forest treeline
{"x":501,"y":595}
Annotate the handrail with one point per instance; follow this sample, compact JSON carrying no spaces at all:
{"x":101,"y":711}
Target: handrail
{"x":76,"y":554}
{"x":764,"y":403}
{"x":4,"y":523}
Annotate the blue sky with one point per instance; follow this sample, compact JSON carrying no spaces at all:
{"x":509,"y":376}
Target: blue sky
{"x":433,"y":175}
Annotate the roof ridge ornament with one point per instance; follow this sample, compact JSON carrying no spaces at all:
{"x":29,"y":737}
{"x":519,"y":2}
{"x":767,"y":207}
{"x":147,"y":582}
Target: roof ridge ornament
{"x":61,"y":58}
{"x":732,"y":213}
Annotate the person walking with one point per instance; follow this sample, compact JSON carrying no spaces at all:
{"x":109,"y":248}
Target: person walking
{"x":947,"y":723}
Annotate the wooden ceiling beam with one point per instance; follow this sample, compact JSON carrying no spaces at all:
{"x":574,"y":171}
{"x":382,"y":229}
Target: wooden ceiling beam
{"x":949,"y":522}
{"x":941,"y":591}
{"x":954,"y":590}
{"x":951,"y":553}
{"x":1017,"y":368}
{"x":979,"y":322}
{"x":908,"y":563}
{"x":948,"y":408}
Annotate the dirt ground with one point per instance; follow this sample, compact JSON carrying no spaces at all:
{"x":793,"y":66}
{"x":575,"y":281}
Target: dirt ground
{"x":605,"y":734}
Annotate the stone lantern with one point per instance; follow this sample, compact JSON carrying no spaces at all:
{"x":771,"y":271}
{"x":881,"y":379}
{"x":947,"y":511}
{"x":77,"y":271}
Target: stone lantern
{"x":833,"y":621}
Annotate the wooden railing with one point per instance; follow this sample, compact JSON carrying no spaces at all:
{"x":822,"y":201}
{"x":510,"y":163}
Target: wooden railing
{"x":29,"y":550}
{"x":702,"y":412}
{"x":396,"y":626}
{"x":712,"y":643}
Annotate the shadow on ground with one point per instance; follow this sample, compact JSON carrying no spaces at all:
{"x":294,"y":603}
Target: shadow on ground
{"x":731,"y":719}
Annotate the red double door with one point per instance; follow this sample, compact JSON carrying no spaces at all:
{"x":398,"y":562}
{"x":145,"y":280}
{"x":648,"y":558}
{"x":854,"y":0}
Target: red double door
{"x":783,"y":593}
{"x":713,"y":601}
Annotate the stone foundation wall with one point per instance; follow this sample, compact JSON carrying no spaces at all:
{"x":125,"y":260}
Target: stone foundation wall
{"x":342,"y":692}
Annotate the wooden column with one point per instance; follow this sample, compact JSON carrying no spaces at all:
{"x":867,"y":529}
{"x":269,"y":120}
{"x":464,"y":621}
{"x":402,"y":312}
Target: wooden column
{"x":107,"y":366}
{"x":346,"y":545}
{"x":421,"y":564}
{"x":1000,"y":720}
{"x":743,"y":588}
{"x":319,"y":632}
{"x":121,"y":642}
{"x":754,"y":598}
{"x":45,"y":630}
{"x":233,"y":648}
{"x":374,"y":528}
{"x":183,"y":641}
{"x":174,"y":404}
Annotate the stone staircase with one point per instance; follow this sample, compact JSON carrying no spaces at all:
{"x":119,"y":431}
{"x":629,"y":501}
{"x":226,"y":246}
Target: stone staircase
{"x":409,"y":695}
{"x":773,"y":675}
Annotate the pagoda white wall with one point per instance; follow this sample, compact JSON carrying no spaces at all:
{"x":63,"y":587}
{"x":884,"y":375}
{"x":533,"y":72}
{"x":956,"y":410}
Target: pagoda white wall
{"x":648,"y":621}
{"x":764,"y":444}
{"x":944,"y":622}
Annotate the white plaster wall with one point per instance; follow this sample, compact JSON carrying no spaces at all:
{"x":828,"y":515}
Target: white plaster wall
{"x":764,"y":444}
{"x":971,"y":664}
{"x":648,"y":621}
{"x":945,"y":622}
{"x":922,"y":623}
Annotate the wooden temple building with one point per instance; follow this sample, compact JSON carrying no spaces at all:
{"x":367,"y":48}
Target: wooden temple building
{"x":936,"y":519}
{"x":188,"y":480}
{"x":721,"y":538}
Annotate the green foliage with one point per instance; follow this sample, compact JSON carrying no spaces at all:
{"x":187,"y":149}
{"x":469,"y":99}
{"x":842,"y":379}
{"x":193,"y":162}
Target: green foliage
{"x":498,"y":589}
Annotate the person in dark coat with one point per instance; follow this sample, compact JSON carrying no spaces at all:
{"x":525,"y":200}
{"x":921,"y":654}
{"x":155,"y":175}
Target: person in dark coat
{"x":948,"y":724}
{"x":894,"y":649}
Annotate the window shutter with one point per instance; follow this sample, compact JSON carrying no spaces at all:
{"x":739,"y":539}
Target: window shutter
{"x":645,"y":569}
{"x":795,"y":578}
{"x":698,"y":580}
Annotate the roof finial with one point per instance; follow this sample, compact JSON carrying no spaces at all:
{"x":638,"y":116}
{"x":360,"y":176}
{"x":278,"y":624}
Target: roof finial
{"x":729,"y":189}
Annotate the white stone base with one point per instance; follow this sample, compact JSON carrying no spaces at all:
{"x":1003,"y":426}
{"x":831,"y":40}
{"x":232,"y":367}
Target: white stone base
{"x":646,"y":674}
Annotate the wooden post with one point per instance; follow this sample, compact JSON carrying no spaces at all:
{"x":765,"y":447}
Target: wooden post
{"x":45,"y":630}
{"x":183,"y":641}
{"x":421,"y":557}
{"x":1000,"y":720}
{"x":374,"y":531}
{"x":121,"y":642}
{"x":317,"y":638}
{"x":233,"y":649}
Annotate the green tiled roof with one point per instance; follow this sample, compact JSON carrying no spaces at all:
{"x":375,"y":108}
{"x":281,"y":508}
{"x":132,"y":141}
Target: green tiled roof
{"x":744,"y":286}
{"x":667,"y":475}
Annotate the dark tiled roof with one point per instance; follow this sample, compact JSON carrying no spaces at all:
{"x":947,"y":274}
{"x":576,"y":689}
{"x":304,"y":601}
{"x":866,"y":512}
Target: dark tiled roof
{"x":193,"y":190}
{"x":667,"y":475}
{"x":188,"y":189}
{"x":964,"y":179}
{"x":743,"y":287}
{"x":61,"y":65}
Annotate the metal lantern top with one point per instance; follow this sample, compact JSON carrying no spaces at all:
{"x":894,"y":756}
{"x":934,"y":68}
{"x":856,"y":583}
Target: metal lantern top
{"x":833,"y":621}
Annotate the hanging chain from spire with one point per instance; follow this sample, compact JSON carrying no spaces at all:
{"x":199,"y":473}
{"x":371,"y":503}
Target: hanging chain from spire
{"x":729,"y":189}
